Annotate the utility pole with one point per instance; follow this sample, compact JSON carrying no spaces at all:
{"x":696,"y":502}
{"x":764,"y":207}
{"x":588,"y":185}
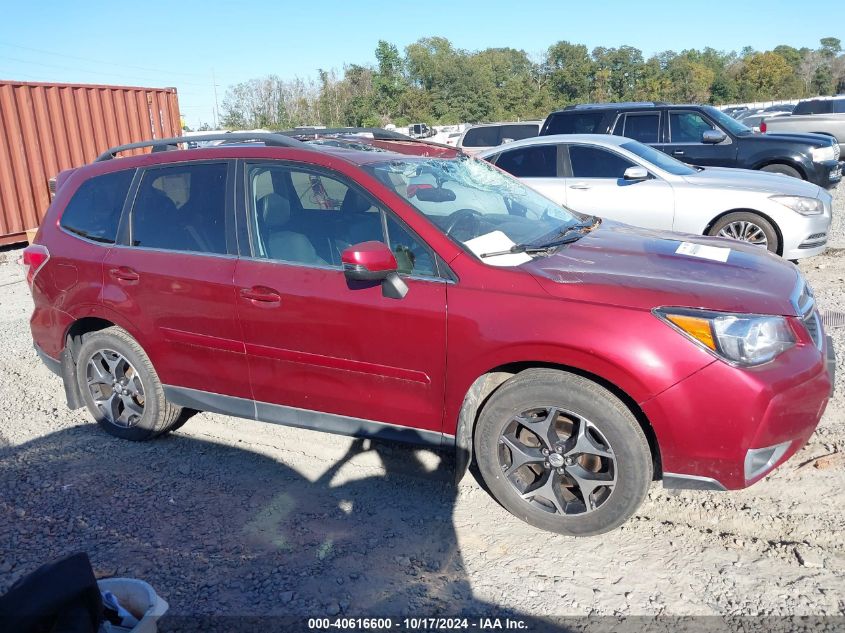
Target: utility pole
{"x":214,"y":85}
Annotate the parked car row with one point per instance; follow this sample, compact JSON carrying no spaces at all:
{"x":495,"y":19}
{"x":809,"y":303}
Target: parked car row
{"x":622,"y":179}
{"x":703,"y":135}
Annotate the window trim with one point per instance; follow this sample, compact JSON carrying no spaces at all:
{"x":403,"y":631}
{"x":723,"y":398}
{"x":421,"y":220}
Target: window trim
{"x":125,"y":227}
{"x":442,"y":273}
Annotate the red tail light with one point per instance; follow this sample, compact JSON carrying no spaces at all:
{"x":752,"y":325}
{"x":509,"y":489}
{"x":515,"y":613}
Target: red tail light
{"x":763,"y":127}
{"x":34,"y":258}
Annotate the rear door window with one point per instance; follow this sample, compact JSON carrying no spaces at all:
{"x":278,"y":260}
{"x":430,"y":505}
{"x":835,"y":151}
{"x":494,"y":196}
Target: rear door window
{"x":536,"y":161}
{"x":181,"y":208}
{"x":595,"y":162}
{"x":316,"y":192}
{"x":574,"y":122}
{"x":814,"y":106}
{"x":641,"y":127}
{"x":94,"y":210}
{"x":487,"y":136}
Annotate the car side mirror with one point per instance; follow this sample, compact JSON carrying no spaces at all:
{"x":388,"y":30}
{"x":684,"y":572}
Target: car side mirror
{"x":368,"y":261}
{"x":713,"y":137}
{"x":374,"y":261}
{"x":506,"y":140}
{"x":635,"y":174}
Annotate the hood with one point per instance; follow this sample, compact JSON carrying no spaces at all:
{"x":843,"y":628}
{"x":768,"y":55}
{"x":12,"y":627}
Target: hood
{"x":816,"y":140}
{"x":640,"y":268}
{"x":754,"y":180}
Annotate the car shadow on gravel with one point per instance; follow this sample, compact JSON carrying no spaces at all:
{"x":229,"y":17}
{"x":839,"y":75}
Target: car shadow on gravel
{"x":220,"y":531}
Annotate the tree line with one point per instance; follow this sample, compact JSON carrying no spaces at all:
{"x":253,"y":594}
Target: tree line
{"x":434,"y":82}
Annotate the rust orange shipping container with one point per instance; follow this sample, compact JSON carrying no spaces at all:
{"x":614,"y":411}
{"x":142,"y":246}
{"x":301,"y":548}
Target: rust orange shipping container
{"x":46,"y":128}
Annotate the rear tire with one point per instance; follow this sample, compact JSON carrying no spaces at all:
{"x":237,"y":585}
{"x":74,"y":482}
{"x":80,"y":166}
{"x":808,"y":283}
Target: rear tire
{"x":751,"y":228}
{"x":584,"y":462}
{"x":120,"y":387}
{"x":780,"y":168}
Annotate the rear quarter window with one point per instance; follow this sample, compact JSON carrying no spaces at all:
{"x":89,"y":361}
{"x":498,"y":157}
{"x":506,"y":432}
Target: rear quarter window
{"x":517,"y":132}
{"x":574,"y":122}
{"x":816,"y":106}
{"x":94,"y":210}
{"x":487,"y":136}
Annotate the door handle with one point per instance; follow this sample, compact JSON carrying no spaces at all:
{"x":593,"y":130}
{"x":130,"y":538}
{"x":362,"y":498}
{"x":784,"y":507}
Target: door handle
{"x":580,"y":185}
{"x":124,"y":273}
{"x":677,"y":152}
{"x":262,"y":295}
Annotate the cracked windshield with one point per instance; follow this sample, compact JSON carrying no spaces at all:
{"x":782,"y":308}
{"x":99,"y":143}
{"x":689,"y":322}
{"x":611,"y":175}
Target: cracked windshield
{"x":477,"y":205}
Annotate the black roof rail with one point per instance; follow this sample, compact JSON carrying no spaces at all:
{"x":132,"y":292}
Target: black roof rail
{"x":377,"y":133}
{"x":622,"y":104}
{"x":165,"y":144}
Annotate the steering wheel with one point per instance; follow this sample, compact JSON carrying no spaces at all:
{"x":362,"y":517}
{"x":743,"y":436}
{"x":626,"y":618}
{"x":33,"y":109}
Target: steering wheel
{"x":456,"y":217}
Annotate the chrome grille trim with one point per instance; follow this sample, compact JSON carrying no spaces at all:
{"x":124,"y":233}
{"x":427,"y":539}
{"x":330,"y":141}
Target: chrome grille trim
{"x":802,"y":297}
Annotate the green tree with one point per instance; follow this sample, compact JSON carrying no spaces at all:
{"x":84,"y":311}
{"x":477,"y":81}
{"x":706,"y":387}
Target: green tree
{"x":823,"y":80}
{"x":763,"y":76}
{"x":618,"y":70}
{"x":388,"y":82}
{"x":569,"y":68}
{"x":831,"y":47}
{"x":689,"y":81}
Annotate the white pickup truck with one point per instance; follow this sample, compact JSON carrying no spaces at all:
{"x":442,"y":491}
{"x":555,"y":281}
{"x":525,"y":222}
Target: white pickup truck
{"x":822,"y":115}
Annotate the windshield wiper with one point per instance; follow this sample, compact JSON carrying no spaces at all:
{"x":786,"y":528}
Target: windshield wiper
{"x":571,"y":233}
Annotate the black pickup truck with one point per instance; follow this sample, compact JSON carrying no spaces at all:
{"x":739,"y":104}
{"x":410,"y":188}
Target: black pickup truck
{"x":702,"y":135}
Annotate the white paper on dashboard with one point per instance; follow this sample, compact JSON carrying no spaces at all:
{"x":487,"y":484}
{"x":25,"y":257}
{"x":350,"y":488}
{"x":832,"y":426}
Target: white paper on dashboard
{"x":716,"y":253}
{"x":493,"y":243}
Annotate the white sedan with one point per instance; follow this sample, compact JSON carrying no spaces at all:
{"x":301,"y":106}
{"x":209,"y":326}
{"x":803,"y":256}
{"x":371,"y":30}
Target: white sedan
{"x":621,"y":179}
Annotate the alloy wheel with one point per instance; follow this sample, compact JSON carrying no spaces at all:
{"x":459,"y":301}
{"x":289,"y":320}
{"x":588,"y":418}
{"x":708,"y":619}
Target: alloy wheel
{"x":557,"y":461}
{"x":115,"y":387}
{"x":745,"y":231}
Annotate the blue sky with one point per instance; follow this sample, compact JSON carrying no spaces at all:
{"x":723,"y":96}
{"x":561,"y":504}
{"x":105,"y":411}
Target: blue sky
{"x":156,"y":43}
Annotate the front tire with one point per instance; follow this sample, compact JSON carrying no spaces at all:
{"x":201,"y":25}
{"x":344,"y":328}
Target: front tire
{"x":120,"y":387}
{"x":747,"y":227}
{"x":562,"y":453}
{"x":786,"y":170}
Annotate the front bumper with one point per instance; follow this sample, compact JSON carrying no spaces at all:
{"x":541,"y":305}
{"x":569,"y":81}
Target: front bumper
{"x":707,"y":424}
{"x":805,"y":235}
{"x":826,"y":174}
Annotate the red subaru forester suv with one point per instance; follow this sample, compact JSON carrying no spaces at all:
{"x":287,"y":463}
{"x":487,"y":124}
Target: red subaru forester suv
{"x":429,"y":300}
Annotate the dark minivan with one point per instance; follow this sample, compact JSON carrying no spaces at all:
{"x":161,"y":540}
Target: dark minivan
{"x":703,"y":135}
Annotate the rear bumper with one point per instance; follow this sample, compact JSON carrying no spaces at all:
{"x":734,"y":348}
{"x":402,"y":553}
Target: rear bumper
{"x":53,"y":365}
{"x":725,"y":428}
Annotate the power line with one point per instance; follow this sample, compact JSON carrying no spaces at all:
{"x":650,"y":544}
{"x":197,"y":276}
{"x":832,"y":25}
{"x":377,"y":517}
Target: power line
{"x":97,"y":61}
{"x":89,"y":72}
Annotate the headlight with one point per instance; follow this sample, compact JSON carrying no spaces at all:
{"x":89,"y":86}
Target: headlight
{"x":800,"y":204}
{"x":821,"y":154}
{"x":743,"y":339}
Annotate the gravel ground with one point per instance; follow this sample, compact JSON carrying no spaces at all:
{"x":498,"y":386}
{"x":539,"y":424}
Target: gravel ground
{"x":228,"y":516}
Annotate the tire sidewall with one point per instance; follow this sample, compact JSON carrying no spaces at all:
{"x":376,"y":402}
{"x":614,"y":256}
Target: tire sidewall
{"x":773,"y":243}
{"x":145,"y":428}
{"x":786,"y":170}
{"x":633,"y":459}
